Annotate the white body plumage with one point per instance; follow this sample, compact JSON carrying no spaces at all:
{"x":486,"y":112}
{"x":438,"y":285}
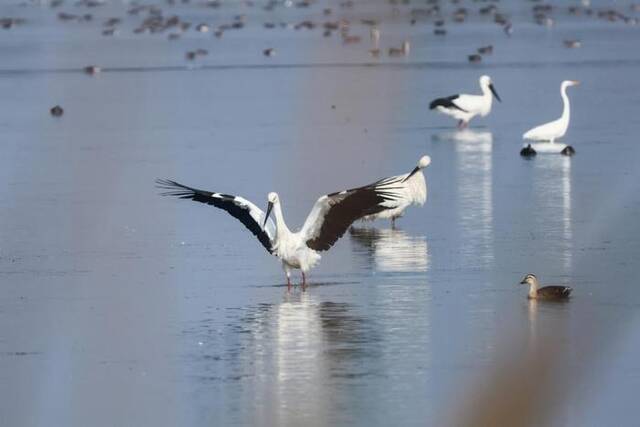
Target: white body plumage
{"x":464,"y":107}
{"x":558,"y":128}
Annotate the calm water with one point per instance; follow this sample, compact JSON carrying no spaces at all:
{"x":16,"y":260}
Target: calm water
{"x":120,"y":307}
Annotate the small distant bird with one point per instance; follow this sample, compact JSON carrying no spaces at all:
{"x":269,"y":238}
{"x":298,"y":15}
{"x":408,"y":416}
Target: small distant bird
{"x":557,"y":128}
{"x":374,"y":33}
{"x":57,"y":111}
{"x":475,"y":58}
{"x":547,"y":292}
{"x":348,"y":39}
{"x":440,"y":32}
{"x":572,"y":44}
{"x":485,"y":50}
{"x":464,"y":107}
{"x":328,"y":220}
{"x":508,"y":29}
{"x":202,"y":28}
{"x":92,"y":69}
{"x":269,"y":52}
{"x":402,"y":51}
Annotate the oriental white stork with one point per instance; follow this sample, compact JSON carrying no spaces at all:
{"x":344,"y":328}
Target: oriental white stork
{"x":328,"y":220}
{"x":464,"y":107}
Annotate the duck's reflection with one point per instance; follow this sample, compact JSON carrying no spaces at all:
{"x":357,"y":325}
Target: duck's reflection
{"x":391,"y":250}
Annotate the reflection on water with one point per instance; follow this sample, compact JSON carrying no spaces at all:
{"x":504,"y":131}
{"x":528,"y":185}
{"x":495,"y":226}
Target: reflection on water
{"x":475,"y":192}
{"x":481,"y":140}
{"x":391,"y":250}
{"x":552,"y":187}
{"x":285,"y":360}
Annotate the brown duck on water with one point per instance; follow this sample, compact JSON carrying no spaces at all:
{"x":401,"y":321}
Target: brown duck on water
{"x":547,"y":292}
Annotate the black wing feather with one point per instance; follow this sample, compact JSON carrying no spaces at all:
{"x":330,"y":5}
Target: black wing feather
{"x":222,"y":201}
{"x":347,"y":207}
{"x":446,"y":103}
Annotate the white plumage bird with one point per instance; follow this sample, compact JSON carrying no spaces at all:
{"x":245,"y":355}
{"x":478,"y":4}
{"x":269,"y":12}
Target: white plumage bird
{"x":328,"y":220}
{"x":464,"y":107}
{"x":557,"y":128}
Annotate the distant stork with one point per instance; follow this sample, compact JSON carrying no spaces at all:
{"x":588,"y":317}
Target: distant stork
{"x":464,"y":107}
{"x":328,"y":220}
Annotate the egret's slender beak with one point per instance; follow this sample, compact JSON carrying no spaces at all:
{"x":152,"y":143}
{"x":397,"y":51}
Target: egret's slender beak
{"x":266,"y":217}
{"x":493,"y":91}
{"x":416,"y":169}
{"x":575,"y":82}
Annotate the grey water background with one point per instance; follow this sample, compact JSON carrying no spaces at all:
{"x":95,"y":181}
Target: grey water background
{"x":120,"y":307}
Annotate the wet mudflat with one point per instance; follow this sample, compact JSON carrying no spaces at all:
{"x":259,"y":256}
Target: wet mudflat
{"x":120,"y":307}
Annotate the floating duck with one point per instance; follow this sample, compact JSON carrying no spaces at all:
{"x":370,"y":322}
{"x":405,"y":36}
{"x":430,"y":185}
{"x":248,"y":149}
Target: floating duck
{"x":557,"y":293}
{"x":485,"y":50}
{"x":57,"y":111}
{"x":475,"y":58}
{"x":403,"y":51}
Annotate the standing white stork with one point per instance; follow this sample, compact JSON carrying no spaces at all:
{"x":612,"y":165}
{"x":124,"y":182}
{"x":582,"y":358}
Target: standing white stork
{"x":464,"y":107}
{"x":552,"y":130}
{"x":329,"y":219}
{"x":414,"y":192}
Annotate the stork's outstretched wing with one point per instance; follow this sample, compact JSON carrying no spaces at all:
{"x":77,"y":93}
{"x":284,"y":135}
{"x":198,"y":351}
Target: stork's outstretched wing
{"x":245,"y":211}
{"x":333,"y":213}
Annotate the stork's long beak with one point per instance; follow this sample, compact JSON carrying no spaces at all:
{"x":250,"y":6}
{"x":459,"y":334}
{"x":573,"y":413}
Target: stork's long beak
{"x":493,"y":91}
{"x":416,"y":169}
{"x":266,"y":217}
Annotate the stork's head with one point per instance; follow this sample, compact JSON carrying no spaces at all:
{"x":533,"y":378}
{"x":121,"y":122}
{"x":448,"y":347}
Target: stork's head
{"x":273,"y":199}
{"x":486,"y":83}
{"x":424,"y":162}
{"x":529,"y":279}
{"x":485,"y":80}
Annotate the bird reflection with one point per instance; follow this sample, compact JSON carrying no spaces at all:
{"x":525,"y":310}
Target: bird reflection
{"x":473,"y":150}
{"x":552,"y":183}
{"x":392,"y":250}
{"x":484,"y":139}
{"x":282,"y":359}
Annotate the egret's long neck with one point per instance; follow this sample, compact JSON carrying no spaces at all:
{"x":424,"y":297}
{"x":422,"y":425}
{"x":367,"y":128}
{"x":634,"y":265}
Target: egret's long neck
{"x":566,"y":112}
{"x":281,"y":226}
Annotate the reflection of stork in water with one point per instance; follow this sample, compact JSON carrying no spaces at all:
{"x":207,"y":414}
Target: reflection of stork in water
{"x":465,"y":136}
{"x":392,"y":250}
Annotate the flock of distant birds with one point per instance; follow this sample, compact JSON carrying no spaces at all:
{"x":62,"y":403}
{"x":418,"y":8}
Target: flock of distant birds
{"x":388,"y":198}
